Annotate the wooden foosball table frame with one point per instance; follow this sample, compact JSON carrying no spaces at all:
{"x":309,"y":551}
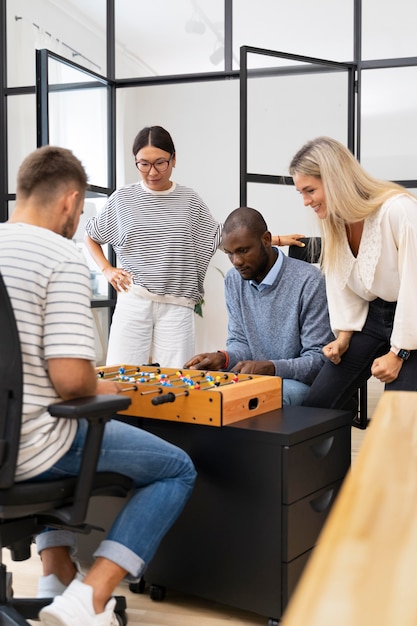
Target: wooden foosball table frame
{"x":195,"y":396}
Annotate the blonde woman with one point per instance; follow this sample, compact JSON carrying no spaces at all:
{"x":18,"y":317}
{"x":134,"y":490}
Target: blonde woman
{"x":369,"y":230}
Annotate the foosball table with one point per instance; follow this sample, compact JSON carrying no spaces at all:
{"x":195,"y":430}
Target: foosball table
{"x":195,"y":396}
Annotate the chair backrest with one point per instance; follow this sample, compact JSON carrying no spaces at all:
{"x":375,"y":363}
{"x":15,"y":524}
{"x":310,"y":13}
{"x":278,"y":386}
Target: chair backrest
{"x":11,"y":389}
{"x":311,"y":251}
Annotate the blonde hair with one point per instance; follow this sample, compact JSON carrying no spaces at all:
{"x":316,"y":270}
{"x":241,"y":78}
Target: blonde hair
{"x":351,"y":193}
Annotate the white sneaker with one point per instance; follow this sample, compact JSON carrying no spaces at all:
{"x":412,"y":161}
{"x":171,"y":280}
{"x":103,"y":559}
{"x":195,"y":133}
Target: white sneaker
{"x":75,"y":608}
{"x":50,"y":586}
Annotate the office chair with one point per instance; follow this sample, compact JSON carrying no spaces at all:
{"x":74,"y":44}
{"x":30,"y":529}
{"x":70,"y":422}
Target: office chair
{"x":311,"y":254}
{"x":26,"y":508}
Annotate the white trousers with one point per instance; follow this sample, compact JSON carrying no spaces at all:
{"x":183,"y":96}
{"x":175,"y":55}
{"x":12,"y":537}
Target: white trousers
{"x":144,"y":331}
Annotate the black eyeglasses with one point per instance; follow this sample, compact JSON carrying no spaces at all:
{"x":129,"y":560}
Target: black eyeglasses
{"x":161,"y":165}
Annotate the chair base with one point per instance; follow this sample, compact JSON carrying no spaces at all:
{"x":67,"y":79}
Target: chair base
{"x":10,"y":617}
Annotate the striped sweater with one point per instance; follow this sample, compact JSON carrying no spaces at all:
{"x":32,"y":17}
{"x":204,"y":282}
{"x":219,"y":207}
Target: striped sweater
{"x":49,"y":285}
{"x":164,"y":239}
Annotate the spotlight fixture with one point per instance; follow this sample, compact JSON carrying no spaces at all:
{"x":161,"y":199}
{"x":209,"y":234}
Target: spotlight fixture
{"x":217,"y":56}
{"x":195,"y":27}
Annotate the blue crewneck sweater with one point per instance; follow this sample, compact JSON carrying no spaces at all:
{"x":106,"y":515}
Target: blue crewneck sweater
{"x":287,"y":323}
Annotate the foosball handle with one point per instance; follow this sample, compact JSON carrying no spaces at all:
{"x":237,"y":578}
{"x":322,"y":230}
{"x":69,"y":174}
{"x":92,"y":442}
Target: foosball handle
{"x":167,"y":397}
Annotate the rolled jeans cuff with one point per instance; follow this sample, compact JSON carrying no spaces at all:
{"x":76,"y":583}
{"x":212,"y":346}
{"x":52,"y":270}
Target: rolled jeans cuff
{"x":55,"y":539}
{"x":122,"y":556}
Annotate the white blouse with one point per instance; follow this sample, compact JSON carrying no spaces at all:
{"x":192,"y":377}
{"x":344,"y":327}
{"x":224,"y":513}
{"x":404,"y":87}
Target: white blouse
{"x":385,"y":267}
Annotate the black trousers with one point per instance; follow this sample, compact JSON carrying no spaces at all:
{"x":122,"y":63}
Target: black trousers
{"x":336,"y":385}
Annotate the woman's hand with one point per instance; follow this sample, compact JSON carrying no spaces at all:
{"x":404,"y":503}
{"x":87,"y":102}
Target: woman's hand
{"x":292,"y":240}
{"x":387,"y":367}
{"x":288,"y":240}
{"x":335,"y":349}
{"x":118,"y":278}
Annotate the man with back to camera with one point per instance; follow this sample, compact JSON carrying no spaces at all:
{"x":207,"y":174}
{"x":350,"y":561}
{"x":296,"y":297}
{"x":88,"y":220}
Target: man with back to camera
{"x":49,"y":286}
{"x":277,"y":310}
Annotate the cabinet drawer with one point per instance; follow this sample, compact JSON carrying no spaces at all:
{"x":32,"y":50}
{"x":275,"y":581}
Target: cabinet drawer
{"x":291,"y":574}
{"x":314,"y":463}
{"x":303,"y":520}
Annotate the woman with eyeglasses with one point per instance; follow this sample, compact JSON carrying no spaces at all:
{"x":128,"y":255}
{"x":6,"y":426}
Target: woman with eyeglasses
{"x":164,"y":236}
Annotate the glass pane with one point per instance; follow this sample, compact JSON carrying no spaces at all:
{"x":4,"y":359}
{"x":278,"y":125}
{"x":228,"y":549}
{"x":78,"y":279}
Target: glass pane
{"x":317,"y":29}
{"x":204,"y":124}
{"x":281,"y":118}
{"x":21,"y":129}
{"x":389,"y":123}
{"x":11,"y":205}
{"x":74,"y":29}
{"x":78,"y":118}
{"x":99,"y":285}
{"x":388,"y":29}
{"x":163,"y":37}
{"x":283,"y":209}
{"x":101,"y":331}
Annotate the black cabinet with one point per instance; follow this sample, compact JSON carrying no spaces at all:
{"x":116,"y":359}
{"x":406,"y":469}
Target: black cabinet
{"x":264,"y":489}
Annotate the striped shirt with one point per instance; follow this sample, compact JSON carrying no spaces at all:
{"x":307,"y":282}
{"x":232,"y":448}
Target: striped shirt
{"x":164,"y":239}
{"x":49,"y":285}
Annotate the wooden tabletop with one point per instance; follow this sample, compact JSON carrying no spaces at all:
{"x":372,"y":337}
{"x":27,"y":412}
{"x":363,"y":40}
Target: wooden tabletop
{"x":363,"y":570}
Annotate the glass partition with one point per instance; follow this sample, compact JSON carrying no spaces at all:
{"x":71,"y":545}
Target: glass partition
{"x":163,"y":37}
{"x":82,"y":101}
{"x":283,"y":209}
{"x":75,"y":111}
{"x":388,"y":29}
{"x":21,"y":133}
{"x":74,"y":30}
{"x":389,"y":123}
{"x":279,"y":111}
{"x":99,"y":285}
{"x":321,"y":29}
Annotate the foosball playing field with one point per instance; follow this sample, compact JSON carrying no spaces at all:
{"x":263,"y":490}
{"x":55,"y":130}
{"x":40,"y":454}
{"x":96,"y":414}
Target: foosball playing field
{"x":195,"y":396}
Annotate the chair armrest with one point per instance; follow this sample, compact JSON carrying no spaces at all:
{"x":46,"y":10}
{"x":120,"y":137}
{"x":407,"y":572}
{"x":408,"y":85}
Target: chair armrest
{"x":90,"y":407}
{"x":97,"y":410}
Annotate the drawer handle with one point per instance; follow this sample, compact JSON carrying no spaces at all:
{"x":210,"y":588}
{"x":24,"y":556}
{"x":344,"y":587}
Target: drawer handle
{"x":323,"y":448}
{"x":321,"y":503}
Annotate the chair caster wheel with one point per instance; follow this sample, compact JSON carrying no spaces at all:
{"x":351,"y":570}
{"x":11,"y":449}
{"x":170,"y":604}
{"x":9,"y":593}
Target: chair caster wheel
{"x":138,"y":587}
{"x":273,"y":622}
{"x":157,"y":593}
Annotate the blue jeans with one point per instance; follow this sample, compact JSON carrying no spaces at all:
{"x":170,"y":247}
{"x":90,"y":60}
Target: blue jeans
{"x":293,"y":391}
{"x":163,"y":476}
{"x":336,"y":385}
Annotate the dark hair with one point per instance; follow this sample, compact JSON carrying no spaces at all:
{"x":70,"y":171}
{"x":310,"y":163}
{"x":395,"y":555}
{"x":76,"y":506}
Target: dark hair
{"x":45,"y":170}
{"x":153,"y":136}
{"x":245,"y":217}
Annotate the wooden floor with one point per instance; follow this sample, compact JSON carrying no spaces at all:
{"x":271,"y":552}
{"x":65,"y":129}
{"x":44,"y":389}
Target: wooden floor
{"x":176,"y":609}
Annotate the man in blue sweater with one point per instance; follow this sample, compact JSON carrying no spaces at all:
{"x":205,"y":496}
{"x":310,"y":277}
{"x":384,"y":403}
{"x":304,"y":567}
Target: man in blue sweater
{"x":277,"y":310}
